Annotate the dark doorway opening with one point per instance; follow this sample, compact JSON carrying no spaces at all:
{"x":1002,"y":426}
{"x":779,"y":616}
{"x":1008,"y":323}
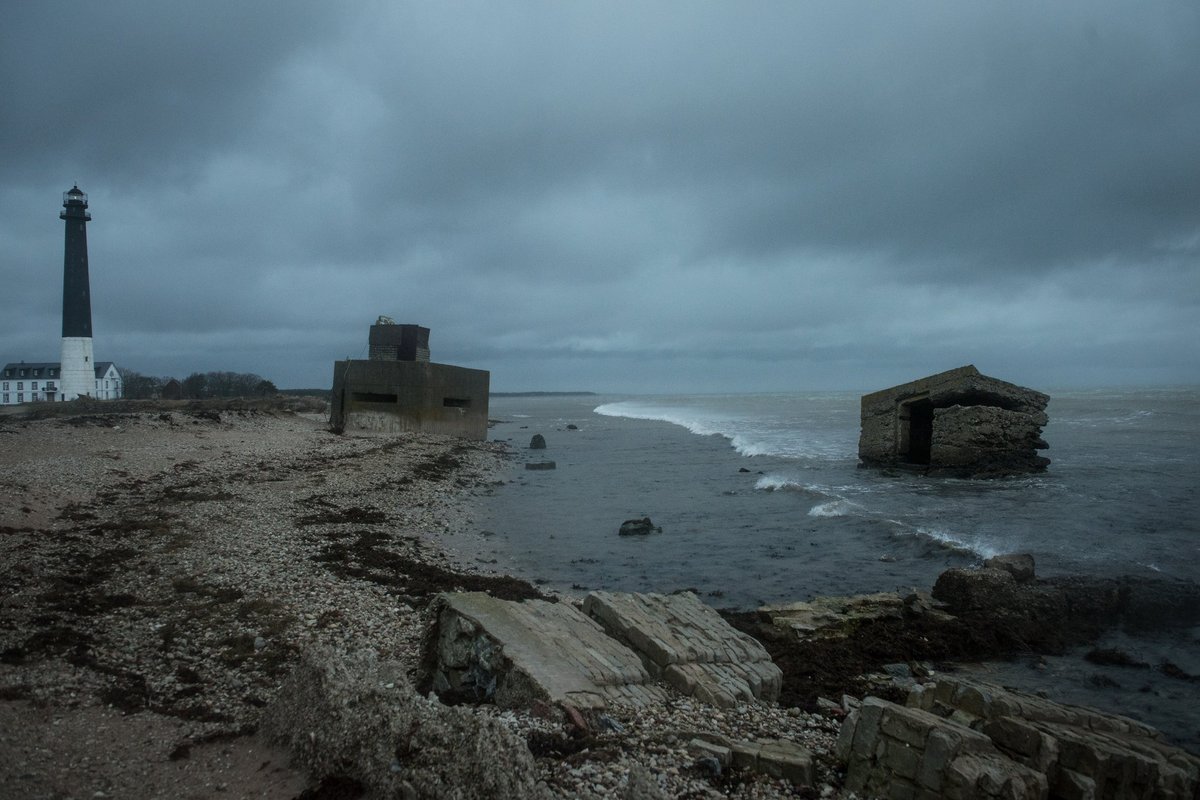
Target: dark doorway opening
{"x":916,"y":438}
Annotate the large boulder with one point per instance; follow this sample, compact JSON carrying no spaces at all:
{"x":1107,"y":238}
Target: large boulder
{"x":513,"y":654}
{"x":689,"y":645}
{"x":538,"y":442}
{"x":1022,"y":616}
{"x":1019,"y":565}
{"x":614,"y":651}
{"x":1051,"y":613}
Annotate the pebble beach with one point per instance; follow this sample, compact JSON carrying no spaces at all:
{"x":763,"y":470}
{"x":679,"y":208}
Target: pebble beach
{"x":167,"y":568}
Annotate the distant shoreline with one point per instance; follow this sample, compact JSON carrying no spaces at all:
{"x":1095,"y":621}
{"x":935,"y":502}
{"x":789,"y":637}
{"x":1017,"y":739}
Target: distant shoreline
{"x":325,"y":393}
{"x":543,"y":394}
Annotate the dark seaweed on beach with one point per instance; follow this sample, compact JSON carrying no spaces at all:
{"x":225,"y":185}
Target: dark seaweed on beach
{"x":414,"y":581}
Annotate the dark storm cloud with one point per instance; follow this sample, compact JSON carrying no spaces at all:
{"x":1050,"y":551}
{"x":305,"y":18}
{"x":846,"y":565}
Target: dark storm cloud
{"x":138,"y":91}
{"x":608,"y":195}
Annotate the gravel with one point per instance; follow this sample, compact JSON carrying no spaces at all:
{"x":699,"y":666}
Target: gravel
{"x":164,"y":571}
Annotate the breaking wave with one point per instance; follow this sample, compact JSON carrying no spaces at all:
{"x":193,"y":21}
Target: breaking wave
{"x":773,"y":483}
{"x":748,"y":435}
{"x":834,"y":508}
{"x":949,"y":541}
{"x":831,"y":505}
{"x":698,"y":425}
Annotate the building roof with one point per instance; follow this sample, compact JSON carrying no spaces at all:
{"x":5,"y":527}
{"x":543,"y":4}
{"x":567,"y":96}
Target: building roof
{"x":101,"y":366}
{"x":30,"y":365}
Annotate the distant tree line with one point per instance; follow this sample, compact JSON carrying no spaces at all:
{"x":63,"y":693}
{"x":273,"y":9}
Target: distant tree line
{"x":198,"y":385}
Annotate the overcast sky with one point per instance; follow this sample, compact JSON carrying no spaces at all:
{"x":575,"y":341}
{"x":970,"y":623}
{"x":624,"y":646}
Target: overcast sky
{"x":627,"y":197}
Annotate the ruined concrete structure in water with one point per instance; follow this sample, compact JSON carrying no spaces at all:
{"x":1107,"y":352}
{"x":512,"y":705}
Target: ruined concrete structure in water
{"x":959,"y":422}
{"x":399,"y":389}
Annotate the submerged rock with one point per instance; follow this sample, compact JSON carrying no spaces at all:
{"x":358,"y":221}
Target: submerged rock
{"x":638,"y":527}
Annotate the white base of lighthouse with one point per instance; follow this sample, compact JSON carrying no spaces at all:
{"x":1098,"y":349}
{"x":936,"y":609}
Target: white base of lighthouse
{"x":77,"y":369}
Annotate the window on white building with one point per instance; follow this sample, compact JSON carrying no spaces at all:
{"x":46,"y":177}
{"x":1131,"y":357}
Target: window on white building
{"x":6,"y":397}
{"x":20,"y":397}
{"x":20,"y":385}
{"x":33,"y":384}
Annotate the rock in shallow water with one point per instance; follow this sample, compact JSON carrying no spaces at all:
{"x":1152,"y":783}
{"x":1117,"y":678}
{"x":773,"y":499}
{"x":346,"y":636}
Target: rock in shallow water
{"x":638,"y":527}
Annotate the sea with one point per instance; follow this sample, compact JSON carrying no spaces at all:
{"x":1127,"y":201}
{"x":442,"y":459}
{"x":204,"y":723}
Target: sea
{"x":761,"y":500}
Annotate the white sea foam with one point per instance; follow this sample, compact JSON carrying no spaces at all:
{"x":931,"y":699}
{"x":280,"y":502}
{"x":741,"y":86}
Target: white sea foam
{"x":834,"y":508}
{"x":947,"y":539}
{"x":772,"y":483}
{"x":676,"y":416}
{"x":750,"y":447}
{"x":775,"y":482}
{"x":748,"y":434}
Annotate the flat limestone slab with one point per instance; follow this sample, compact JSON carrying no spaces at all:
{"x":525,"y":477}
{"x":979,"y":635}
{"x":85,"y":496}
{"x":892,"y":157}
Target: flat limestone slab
{"x":689,"y":646}
{"x":833,"y":618}
{"x":514,"y":653}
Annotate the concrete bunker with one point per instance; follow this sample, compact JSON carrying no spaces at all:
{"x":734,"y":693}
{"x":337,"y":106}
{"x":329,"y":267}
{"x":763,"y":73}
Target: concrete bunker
{"x":399,"y":389}
{"x":959,"y":421}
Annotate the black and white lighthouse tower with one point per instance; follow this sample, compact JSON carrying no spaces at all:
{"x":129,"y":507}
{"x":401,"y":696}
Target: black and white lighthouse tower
{"x":78,"y":369}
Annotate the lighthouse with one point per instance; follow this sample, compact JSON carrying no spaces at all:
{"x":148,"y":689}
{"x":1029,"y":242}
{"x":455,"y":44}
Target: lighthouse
{"x":78,"y":370}
{"x":77,"y":374}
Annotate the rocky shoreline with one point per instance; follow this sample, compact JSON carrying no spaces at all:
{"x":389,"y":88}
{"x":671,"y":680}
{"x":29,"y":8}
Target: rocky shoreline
{"x":167,"y":569}
{"x":180,"y":578}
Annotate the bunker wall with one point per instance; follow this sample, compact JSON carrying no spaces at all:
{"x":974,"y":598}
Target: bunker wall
{"x":400,"y":396}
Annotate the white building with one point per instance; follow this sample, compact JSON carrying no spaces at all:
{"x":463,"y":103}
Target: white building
{"x":41,"y":381}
